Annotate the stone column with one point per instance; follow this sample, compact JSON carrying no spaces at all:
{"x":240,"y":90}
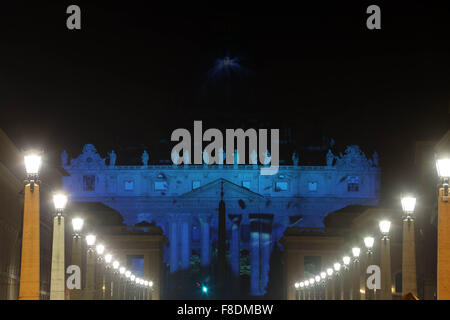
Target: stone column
{"x":29,"y":287}
{"x":75,"y":294}
{"x":356,"y":280}
{"x":386,"y":280}
{"x":235,"y":244}
{"x":254,"y":263}
{"x":90,"y":274}
{"x":409,"y":277}
{"x":107,"y":291}
{"x":369,"y":293}
{"x":443,"y":263}
{"x":346,"y":283}
{"x":58,"y":272}
{"x":185,"y":243}
{"x":99,"y":278}
{"x":205,"y":256}
{"x":173,"y":244}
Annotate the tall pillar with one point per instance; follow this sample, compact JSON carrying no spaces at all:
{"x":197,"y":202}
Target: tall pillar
{"x":173,"y":244}
{"x":266,"y":241}
{"x":29,"y":287}
{"x":443,"y":263}
{"x":185,"y":243}
{"x":205,"y":255}
{"x":90,"y":274}
{"x":338,"y":286}
{"x":235,"y":244}
{"x":99,"y":278}
{"x":254,"y":263}
{"x":107,"y":291}
{"x":409,"y":277}
{"x":346,"y":283}
{"x":369,"y":293}
{"x":386,"y":280}
{"x":75,"y":294}
{"x":356,"y":280}
{"x":57,"y":282}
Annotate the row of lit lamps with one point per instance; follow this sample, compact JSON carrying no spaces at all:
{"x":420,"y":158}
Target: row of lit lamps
{"x":60,"y":201}
{"x":408,"y":205}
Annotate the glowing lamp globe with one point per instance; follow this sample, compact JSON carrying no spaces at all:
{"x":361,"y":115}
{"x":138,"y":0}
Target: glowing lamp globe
{"x":32,"y":164}
{"x":116,"y":264}
{"x":108,"y":258}
{"x":296,"y":285}
{"x":443,"y":166}
{"x":368,"y":242}
{"x":346,"y":260}
{"x":329,"y":271}
{"x":408,"y":204}
{"x":132,"y":277}
{"x":356,"y":251}
{"x":60,"y":201}
{"x":100,"y":249}
{"x":77,"y":224}
{"x":150,"y":283}
{"x":127,"y":273}
{"x":317,"y":278}
{"x":323,"y":275}
{"x":385,"y":226}
{"x":337,"y":266}
{"x":122,"y":270}
{"x":306,"y":283}
{"x":311,"y":281}
{"x":90,"y":239}
{"x":302,"y":284}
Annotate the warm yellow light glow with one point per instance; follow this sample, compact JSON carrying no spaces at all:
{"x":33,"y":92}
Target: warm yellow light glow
{"x":385,"y":226}
{"x":100,"y":249}
{"x":368,"y":241}
{"x":77,"y":224}
{"x":122,"y":270}
{"x":32,"y":163}
{"x":329,"y":271}
{"x":362,"y":291}
{"x":443,"y":167}
{"x":356,"y":251}
{"x":346,"y":260}
{"x":90,"y":239}
{"x":408,"y":204}
{"x":108,"y":258}
{"x":116,"y":264}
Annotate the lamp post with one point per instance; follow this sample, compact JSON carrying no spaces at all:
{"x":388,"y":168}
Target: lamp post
{"x":313,"y":288}
{"x":138,"y":288}
{"x":150,"y":284}
{"x":108,"y":272}
{"x":99,"y":277}
{"x":122,"y":280}
{"x":356,"y":272}
{"x":346,"y":280}
{"x":57,"y":281}
{"x":443,"y":259}
{"x":77,"y":224}
{"x":302,"y":291}
{"x":318,"y":287}
{"x":127,"y":287}
{"x":297,"y":290}
{"x":115,"y":280}
{"x":409,"y":280}
{"x":29,"y":286}
{"x":386,"y":280}
{"x":323,"y":276}
{"x":368,"y":242}
{"x":330,"y":295}
{"x":147,"y":290}
{"x":337,"y":281}
{"x":307,"y":292}
{"x":132,"y":287}
{"x":89,"y":291}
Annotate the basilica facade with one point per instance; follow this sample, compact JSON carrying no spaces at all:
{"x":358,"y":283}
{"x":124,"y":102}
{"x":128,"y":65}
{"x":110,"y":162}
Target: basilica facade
{"x":183,"y":200}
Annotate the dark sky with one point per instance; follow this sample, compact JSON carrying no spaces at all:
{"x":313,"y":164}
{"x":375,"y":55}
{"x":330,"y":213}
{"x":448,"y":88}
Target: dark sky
{"x":134,"y":73}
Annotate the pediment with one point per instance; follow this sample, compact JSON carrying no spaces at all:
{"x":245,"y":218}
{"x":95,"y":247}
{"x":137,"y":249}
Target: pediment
{"x":213,"y":189}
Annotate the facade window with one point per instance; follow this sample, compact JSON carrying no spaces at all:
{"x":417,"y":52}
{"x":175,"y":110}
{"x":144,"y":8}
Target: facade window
{"x":353,"y":184}
{"x":161,"y":186}
{"x":89,"y":183}
{"x":129,"y":185}
{"x":312,"y":186}
{"x":246,"y":184}
{"x":195,"y":184}
{"x":281,"y":186}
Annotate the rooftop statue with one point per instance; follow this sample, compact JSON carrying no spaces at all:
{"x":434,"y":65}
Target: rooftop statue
{"x":330,"y":158}
{"x":375,"y":159}
{"x":64,"y":158}
{"x":145,"y":158}
{"x":353,"y":158}
{"x":112,"y":158}
{"x":295,"y":159}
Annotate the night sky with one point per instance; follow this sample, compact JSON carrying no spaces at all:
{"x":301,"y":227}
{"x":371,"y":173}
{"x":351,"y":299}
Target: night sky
{"x":134,"y":73}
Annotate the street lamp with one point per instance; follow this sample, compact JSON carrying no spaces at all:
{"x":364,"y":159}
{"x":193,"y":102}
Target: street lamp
{"x":115,"y":280}
{"x":90,"y":267}
{"x":29,"y":285}
{"x":77,"y":224}
{"x":356,"y":271}
{"x":368,"y":242}
{"x":409,"y":280}
{"x":346,"y":280}
{"x":386,"y":282}
{"x":108,"y":275}
{"x":57,"y":283}
{"x":100,"y":275}
{"x":443,"y":276}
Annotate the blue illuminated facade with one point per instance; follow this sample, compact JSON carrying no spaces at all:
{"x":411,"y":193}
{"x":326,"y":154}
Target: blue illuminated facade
{"x":183,"y":200}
